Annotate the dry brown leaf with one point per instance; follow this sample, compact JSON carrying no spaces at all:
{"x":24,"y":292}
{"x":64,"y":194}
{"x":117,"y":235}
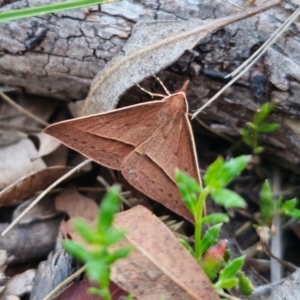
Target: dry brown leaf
{"x":47,"y":145}
{"x":76,"y":205}
{"x":15,"y":162}
{"x":159,"y":266}
{"x":27,"y":186}
{"x":153,"y":45}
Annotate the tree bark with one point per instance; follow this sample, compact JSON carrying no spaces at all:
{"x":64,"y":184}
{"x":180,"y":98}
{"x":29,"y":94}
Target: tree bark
{"x":58,"y":55}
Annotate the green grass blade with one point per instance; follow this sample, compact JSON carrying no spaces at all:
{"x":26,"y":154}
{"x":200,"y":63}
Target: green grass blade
{"x":48,"y":9}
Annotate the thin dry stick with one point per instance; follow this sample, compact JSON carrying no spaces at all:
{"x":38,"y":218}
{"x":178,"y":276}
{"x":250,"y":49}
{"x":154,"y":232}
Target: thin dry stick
{"x":291,"y":19}
{"x":63,"y":283}
{"x":214,"y":131}
{"x":23,"y":110}
{"x":80,"y":189}
{"x":53,"y":185}
{"x":271,"y":40}
{"x":107,"y":186}
{"x":18,"y":127}
{"x":11,"y":116}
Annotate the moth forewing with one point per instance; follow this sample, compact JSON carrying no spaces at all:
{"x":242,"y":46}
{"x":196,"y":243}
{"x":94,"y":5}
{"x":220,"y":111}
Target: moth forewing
{"x":121,"y":140}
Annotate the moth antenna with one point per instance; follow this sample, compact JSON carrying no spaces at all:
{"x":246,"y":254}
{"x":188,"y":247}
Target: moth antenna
{"x":161,"y":83}
{"x":151,"y":94}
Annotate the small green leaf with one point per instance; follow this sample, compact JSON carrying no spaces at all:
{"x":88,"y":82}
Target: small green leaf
{"x":288,"y":205}
{"x":248,"y":140}
{"x":210,"y":237}
{"x":215,"y":218}
{"x":76,"y":250}
{"x":96,"y":270}
{"x":233,"y":168}
{"x":109,"y":206}
{"x":266,"y":202}
{"x":245,"y":284}
{"x":268,"y":127}
{"x":263,"y":113}
{"x":190,"y":200}
{"x":118,"y":254}
{"x":189,"y":189}
{"x":210,"y":177}
{"x":232,"y":268}
{"x":219,"y":174}
{"x":294,"y":213}
{"x":187,"y":246}
{"x":251,"y":126}
{"x":279,"y":202}
{"x":84,"y":230}
{"x":227,"y":283}
{"x":245,"y":132}
{"x":258,"y":150}
{"x":228,"y":198}
{"x":191,"y":183}
{"x":113,"y":236}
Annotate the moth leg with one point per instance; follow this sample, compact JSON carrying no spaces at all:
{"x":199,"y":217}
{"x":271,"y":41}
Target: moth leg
{"x":161,"y":83}
{"x":151,"y":94}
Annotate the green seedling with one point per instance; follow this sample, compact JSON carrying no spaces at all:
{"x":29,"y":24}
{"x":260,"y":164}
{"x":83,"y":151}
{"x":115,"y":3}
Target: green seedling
{"x":97,"y":254}
{"x":269,"y":207}
{"x":207,"y":250}
{"x":257,"y":126}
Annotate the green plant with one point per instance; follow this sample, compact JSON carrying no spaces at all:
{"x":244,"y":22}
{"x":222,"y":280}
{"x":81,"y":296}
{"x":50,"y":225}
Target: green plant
{"x":207,"y":250}
{"x":269,"y":207}
{"x":97,"y":253}
{"x":257,"y":126}
{"x":48,"y":9}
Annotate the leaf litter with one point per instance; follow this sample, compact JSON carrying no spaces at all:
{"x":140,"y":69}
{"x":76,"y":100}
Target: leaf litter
{"x":152,"y":272}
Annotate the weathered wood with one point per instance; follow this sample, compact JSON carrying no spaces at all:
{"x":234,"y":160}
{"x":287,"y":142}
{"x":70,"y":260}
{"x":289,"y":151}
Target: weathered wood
{"x":50,"y":273}
{"x":58,"y":55}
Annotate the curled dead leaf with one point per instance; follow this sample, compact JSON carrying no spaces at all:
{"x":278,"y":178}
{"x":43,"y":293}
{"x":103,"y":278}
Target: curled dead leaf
{"x":27,"y":186}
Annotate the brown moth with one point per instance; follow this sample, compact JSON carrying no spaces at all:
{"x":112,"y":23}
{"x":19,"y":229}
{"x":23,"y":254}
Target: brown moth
{"x":146,"y":142}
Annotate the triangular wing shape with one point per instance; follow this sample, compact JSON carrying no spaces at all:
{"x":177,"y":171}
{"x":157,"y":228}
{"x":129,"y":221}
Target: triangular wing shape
{"x":131,"y":125}
{"x":109,"y":137}
{"x":109,"y":153}
{"x":150,"y":168}
{"x":145,"y":141}
{"x":173,"y":147}
{"x":150,"y":179}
